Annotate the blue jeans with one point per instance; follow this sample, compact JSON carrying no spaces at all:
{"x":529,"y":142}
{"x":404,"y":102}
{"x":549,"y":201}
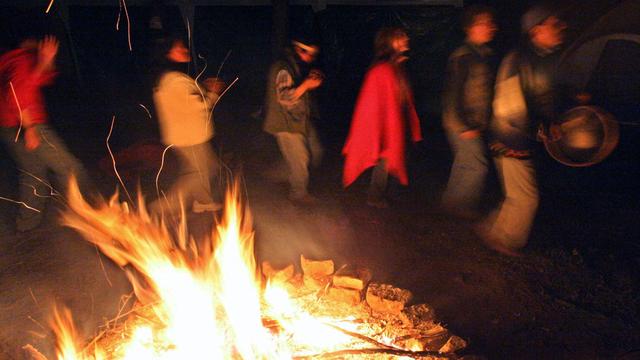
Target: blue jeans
{"x":34,"y":186}
{"x":468,"y":174}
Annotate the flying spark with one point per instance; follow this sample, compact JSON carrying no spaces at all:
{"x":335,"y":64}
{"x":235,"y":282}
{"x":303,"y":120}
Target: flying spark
{"x":13,"y":90}
{"x":160,"y":170}
{"x":19,"y":202}
{"x":49,"y":7}
{"x":113,"y":159}
{"x":147,"y":110}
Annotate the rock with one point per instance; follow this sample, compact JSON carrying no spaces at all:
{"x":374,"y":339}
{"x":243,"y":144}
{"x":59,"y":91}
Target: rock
{"x":275,"y":275}
{"x":348,"y":296}
{"x":387,"y":299}
{"x":316,"y":269}
{"x":419,"y":315}
{"x":454,"y":344}
{"x":352,"y":278}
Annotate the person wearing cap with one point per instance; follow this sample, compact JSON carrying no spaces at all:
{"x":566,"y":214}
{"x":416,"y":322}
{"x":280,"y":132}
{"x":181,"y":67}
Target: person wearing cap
{"x":524,"y":107}
{"x":290,"y":110}
{"x":25,"y":130}
{"x":466,"y":111}
{"x":383,"y":114}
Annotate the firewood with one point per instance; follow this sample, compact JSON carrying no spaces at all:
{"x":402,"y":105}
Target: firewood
{"x":342,"y":354}
{"x":454,"y":343}
{"x":352,"y":278}
{"x":31,"y":353}
{"x":385,"y":298}
{"x":349,"y":296}
{"x":316,"y":269}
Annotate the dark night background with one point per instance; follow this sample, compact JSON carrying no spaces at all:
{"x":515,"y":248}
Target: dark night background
{"x":588,"y":217}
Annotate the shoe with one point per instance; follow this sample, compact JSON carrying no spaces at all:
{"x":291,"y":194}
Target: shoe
{"x":304,"y":200}
{"x":494,"y":242}
{"x":199,"y":207}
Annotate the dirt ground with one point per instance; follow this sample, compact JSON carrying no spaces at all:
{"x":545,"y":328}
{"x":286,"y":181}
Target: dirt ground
{"x":575,"y":293}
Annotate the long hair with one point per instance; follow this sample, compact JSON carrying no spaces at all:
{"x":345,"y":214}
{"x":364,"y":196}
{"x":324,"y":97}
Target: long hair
{"x":383,"y":43}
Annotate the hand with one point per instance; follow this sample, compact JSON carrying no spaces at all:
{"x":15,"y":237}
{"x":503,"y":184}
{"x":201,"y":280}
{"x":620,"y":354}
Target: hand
{"x":47,"y":50}
{"x":469,"y":134}
{"x":583,"y":98}
{"x":553,"y":134}
{"x":316,"y":74}
{"x":311,"y":83}
{"x":31,"y":139}
{"x":215,"y":85}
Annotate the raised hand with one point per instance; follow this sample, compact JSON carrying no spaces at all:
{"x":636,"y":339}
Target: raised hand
{"x":47,"y":50}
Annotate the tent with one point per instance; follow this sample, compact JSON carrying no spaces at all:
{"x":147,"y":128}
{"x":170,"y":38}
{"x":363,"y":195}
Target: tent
{"x":603,"y":60}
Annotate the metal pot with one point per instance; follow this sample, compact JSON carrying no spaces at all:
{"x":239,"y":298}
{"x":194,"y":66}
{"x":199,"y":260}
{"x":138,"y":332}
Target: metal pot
{"x":588,"y":134}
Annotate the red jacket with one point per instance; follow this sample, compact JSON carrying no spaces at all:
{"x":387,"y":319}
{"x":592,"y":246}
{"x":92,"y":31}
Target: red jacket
{"x":17,"y":68}
{"x":384,"y":108}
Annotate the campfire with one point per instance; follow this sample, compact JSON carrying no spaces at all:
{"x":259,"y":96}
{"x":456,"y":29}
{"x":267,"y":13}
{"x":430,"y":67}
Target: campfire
{"x":208,"y":298}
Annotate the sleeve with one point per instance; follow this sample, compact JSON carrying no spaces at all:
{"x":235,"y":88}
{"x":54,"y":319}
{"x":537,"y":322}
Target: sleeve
{"x":541,"y":94}
{"x":196,"y":93}
{"x":25,"y":83}
{"x":285,"y":95}
{"x":454,"y":91}
{"x":414,"y":121}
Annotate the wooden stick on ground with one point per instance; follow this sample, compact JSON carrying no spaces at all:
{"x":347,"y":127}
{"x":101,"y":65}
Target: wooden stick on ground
{"x":372,"y":351}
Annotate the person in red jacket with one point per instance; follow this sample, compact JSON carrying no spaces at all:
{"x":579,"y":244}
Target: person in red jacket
{"x":383,"y":111}
{"x":25,"y":132}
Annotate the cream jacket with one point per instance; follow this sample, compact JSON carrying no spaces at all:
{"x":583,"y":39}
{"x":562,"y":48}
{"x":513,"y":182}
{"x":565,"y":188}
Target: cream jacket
{"x":184,"y":110}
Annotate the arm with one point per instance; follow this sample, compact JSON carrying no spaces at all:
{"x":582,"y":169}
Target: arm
{"x":457,"y":73}
{"x":288,"y":95}
{"x":47,"y":52}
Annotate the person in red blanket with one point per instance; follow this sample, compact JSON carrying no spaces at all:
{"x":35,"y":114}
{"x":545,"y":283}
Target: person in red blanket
{"x":383,"y":111}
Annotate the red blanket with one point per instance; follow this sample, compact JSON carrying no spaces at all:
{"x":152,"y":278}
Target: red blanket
{"x":378,"y":125}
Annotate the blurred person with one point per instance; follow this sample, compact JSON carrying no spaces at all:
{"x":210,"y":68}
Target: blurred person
{"x":184,"y":110}
{"x":466,"y":112}
{"x":25,"y":130}
{"x":524,"y":107}
{"x":290,"y":110}
{"x":383,"y":113}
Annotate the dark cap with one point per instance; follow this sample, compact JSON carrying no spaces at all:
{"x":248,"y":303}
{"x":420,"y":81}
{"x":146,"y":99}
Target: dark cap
{"x":536,"y":15}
